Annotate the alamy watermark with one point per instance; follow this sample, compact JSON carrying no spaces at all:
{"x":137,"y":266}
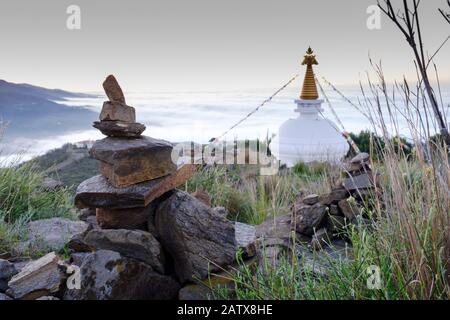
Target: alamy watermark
{"x":73,"y":21}
{"x":373,"y":22}
{"x":374,"y":280}
{"x":249,"y":152}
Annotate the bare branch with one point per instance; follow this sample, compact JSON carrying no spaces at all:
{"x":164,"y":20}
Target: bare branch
{"x":445,"y":14}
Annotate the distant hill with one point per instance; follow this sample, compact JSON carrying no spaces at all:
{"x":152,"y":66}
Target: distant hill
{"x":30,"y":111}
{"x":71,"y":164}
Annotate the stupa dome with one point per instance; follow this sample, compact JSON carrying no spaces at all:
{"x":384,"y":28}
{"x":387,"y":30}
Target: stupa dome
{"x":310,"y":137}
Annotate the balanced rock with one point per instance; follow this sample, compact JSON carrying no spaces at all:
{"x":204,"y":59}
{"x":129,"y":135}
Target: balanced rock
{"x":107,"y":275}
{"x":37,"y":279}
{"x":113,"y":90}
{"x":120,"y":128}
{"x":135,"y":218}
{"x":309,"y":218}
{"x":125,"y":162}
{"x":362,"y":157}
{"x":112,"y":111}
{"x":96,"y":192}
{"x":136,"y":244}
{"x":363,"y":181}
{"x":198,"y":239}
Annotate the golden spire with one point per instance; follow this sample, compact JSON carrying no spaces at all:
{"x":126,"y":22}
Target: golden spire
{"x":309,"y":90}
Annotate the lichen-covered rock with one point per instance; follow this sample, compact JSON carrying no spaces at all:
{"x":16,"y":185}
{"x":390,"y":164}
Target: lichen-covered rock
{"x":107,"y":275}
{"x":136,"y":244}
{"x":197,"y":238}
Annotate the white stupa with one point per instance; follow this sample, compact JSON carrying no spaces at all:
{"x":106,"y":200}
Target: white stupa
{"x":310,"y":137}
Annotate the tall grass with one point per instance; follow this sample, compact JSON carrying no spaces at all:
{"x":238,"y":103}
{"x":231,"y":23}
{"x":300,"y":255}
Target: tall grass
{"x":23,"y":198}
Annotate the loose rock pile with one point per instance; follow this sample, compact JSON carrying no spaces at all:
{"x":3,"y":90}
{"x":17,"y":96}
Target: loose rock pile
{"x":324,"y":218}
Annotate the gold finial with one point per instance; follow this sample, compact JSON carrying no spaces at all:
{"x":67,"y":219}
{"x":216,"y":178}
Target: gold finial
{"x":309,"y":90}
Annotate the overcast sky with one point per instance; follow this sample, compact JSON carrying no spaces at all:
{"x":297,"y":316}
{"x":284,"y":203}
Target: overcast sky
{"x":198,"y":45}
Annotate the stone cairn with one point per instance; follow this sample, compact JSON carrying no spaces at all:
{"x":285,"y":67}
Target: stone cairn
{"x":322,"y":219}
{"x":143,"y":239}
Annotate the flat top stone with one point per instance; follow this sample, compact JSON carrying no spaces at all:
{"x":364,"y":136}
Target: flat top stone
{"x":99,"y":193}
{"x":34,"y":266}
{"x":361,"y":157}
{"x":113,"y":148}
{"x":362,"y":181}
{"x":113,"y":90}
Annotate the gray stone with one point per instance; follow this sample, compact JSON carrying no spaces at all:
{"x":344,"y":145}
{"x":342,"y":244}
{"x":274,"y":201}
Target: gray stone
{"x":7,"y":270}
{"x":114,"y":111}
{"x":360,"y":158}
{"x":309,"y":218}
{"x":311,"y":199}
{"x":106,"y":275}
{"x":37,"y":279}
{"x":113,"y":90}
{"x":120,"y":128}
{"x":198,"y":239}
{"x":4,"y":297}
{"x":194,"y":292}
{"x":363,"y":181}
{"x":47,"y":298}
{"x":136,"y":244}
{"x":51,"y":234}
{"x":51,"y":184}
{"x":96,"y":192}
{"x":245,"y":235}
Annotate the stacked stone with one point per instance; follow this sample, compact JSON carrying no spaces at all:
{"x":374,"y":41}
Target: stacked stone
{"x":135,"y":169}
{"x":324,"y":218}
{"x":148,"y":239}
